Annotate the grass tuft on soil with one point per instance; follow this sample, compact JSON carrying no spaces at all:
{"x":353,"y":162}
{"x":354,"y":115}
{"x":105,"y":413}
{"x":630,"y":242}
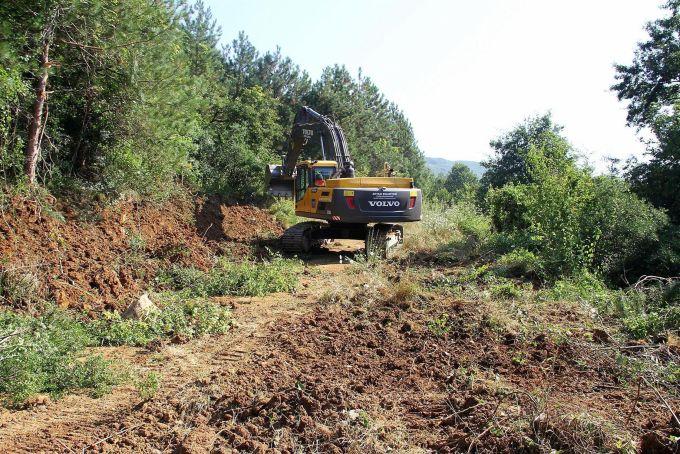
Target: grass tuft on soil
{"x":48,"y":353}
{"x":237,"y":279}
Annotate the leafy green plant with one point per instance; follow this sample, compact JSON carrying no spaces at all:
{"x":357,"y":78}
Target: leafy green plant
{"x":148,"y":385}
{"x":284,"y":212}
{"x":45,"y":355}
{"x":439,"y":325}
{"x":137,"y":241}
{"x":518,"y":263}
{"x":506,"y":290}
{"x":184,"y":319}
{"x":239,"y":279}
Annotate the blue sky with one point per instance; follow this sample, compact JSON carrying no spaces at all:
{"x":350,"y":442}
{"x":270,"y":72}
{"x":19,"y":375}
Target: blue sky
{"x":466,"y":71}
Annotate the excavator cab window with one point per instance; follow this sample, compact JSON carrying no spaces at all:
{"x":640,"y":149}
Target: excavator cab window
{"x":301,"y":182}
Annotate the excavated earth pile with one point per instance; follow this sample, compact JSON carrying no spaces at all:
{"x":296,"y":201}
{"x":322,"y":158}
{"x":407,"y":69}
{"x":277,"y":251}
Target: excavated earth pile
{"x":102,"y":258}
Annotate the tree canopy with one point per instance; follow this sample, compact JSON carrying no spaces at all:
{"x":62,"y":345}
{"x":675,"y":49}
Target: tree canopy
{"x":509,"y":162}
{"x":651,"y":86}
{"x":138,"y":95}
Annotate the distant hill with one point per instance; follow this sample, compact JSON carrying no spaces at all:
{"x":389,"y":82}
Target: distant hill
{"x":441,"y":166}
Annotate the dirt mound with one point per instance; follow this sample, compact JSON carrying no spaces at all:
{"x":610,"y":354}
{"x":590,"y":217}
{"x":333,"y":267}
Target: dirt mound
{"x":103,"y":258}
{"x":346,"y":379}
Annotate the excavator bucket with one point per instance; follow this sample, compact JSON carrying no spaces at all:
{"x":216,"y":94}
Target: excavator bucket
{"x":279,"y":185}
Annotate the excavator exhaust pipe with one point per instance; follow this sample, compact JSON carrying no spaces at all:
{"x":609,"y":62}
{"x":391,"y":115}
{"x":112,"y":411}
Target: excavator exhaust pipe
{"x":278,"y":184}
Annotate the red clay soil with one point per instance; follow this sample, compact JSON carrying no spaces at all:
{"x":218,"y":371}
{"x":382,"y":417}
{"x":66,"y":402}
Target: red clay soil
{"x":103,"y":258}
{"x":344,"y":379}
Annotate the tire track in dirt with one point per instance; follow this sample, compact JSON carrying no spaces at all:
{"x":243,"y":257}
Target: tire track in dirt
{"x":78,"y":423}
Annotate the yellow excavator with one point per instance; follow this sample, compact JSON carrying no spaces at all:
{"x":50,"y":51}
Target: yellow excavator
{"x":345,"y":206}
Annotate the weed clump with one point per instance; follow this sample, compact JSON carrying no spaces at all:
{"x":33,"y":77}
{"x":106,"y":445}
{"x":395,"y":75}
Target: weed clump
{"x":183,"y":320}
{"x":44,"y":355}
{"x":237,"y":279}
{"x":284,"y":212}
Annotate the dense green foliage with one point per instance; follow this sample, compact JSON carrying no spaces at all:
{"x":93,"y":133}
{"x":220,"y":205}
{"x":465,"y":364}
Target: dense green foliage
{"x":650,"y":85}
{"x":575,"y":222}
{"x":42,"y":355}
{"x":509,"y":163}
{"x":140,"y":97}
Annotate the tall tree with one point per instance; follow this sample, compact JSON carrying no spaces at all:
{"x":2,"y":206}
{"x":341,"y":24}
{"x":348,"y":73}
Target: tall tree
{"x":651,"y":86}
{"x":461,"y":181}
{"x":509,"y":163}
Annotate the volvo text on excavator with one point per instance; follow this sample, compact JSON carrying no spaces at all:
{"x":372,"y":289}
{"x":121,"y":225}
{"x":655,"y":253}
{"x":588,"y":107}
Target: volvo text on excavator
{"x":344,"y":206}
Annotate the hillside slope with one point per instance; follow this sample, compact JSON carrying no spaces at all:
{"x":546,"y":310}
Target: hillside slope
{"x":98,"y":258}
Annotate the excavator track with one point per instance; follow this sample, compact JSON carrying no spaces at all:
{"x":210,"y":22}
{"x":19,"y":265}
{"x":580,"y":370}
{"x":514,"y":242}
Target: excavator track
{"x":298,"y":238}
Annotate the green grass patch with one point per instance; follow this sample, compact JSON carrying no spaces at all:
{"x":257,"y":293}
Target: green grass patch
{"x":237,"y":279}
{"x":45,"y":355}
{"x":48,"y":353}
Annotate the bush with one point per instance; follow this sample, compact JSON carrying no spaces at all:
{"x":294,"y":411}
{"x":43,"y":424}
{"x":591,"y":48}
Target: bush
{"x":625,"y":229}
{"x":507,"y":290}
{"x":186,"y":320}
{"x":237,"y":279}
{"x":43,"y":355}
{"x":284,"y":212}
{"x":518,"y":263}
{"x":573,"y":222}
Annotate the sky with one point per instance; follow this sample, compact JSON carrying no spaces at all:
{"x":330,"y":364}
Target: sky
{"x":464,"y":71}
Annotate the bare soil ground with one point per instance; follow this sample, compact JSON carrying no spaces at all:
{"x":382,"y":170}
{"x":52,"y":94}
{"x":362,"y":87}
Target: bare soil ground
{"x":102,"y":258}
{"x":349,"y":363}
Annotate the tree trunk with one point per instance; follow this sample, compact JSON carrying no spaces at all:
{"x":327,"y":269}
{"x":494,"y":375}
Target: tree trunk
{"x":35,"y":128}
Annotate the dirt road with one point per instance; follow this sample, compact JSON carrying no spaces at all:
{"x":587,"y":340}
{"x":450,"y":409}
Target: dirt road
{"x":349,"y":364}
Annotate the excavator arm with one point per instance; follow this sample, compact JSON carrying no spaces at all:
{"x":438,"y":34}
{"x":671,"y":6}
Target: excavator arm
{"x":309,"y":127}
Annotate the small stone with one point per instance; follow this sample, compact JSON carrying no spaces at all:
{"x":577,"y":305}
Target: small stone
{"x":140,"y":308}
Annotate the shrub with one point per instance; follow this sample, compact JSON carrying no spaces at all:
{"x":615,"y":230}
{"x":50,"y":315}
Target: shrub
{"x":188,"y":320}
{"x":625,"y":229}
{"x":506,"y":290}
{"x":148,"y":385}
{"x":43,"y":355}
{"x":238,"y":279}
{"x":573,"y":222}
{"x":284,"y":212}
{"x":517,"y":263}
